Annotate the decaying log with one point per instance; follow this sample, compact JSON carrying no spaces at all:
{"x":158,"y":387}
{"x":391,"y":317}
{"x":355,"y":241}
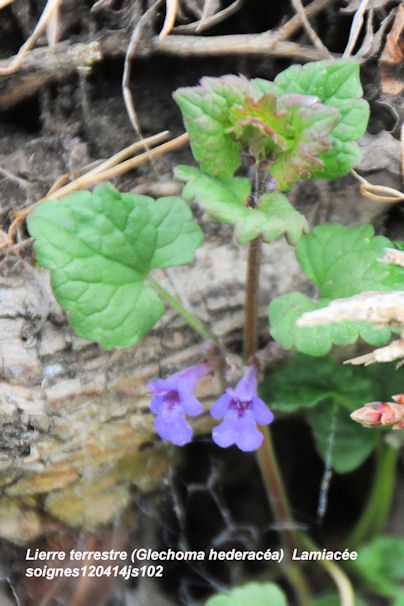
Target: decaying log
{"x":75,"y":433}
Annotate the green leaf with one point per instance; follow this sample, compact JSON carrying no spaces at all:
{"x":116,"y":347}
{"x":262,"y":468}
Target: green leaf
{"x":304,"y":382}
{"x":351,"y":444}
{"x":311,"y":124}
{"x":253,"y":594}
{"x":341,"y":261}
{"x":284,"y":311}
{"x":334,"y":389}
{"x":337,"y":84}
{"x":293,"y":130}
{"x":260,"y":126}
{"x":100,"y":247}
{"x":381,"y":564}
{"x":206,"y":113}
{"x":225,"y":201}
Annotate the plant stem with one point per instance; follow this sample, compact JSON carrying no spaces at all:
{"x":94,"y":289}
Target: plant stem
{"x":276,"y":493}
{"x":379,"y":501}
{"x":192,"y":320}
{"x":268,"y":464}
{"x":251,"y":298}
{"x":266,"y":455}
{"x":341,"y":580}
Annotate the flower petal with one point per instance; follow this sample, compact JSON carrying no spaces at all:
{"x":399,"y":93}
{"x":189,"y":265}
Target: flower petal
{"x":262,"y":414}
{"x":189,"y":377}
{"x":173,"y":428}
{"x":246,"y":388}
{"x":160,"y":385}
{"x":190,"y":404}
{"x":220,"y":407}
{"x":156,"y":404}
{"x":225,"y":434}
{"x":248,"y":437}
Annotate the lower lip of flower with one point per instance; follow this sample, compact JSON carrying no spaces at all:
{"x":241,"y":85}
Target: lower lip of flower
{"x":240,"y":406}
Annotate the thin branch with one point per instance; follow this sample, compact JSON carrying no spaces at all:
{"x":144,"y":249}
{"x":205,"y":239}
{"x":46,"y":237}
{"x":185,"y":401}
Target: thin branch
{"x":50,"y":8}
{"x":129,"y":55}
{"x":380,"y":193}
{"x":393,"y":255}
{"x":203,"y":24}
{"x":393,"y":351}
{"x":171,"y":15}
{"x":23,"y":183}
{"x":295,"y":23}
{"x":264,"y":44}
{"x":374,"y":307}
{"x":356,"y":27}
{"x":298,"y":6}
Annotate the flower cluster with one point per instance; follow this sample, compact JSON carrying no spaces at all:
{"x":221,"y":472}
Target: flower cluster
{"x":239,"y":407}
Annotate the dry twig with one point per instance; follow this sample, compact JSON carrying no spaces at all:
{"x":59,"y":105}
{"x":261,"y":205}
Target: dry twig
{"x":299,"y":8}
{"x":207,"y":22}
{"x":265,"y":44}
{"x":42,"y":65}
{"x":356,"y":27}
{"x":51,"y":7}
{"x":129,"y":55}
{"x":290,"y":27}
{"x":374,"y":307}
{"x":169,"y":21}
{"x":392,"y":255}
{"x":380,"y":193}
{"x":115,"y":166}
{"x":380,"y":308}
{"x":390,"y":353}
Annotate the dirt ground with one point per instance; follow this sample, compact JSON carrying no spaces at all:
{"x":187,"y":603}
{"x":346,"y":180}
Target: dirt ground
{"x":62,"y":109}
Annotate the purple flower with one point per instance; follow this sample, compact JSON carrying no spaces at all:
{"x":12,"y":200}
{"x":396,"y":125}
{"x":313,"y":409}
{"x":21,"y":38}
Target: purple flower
{"x":241,"y":409}
{"x":172,"y":399}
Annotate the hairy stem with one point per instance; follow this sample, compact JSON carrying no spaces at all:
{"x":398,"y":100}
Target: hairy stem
{"x":379,"y":501}
{"x":267,"y":461}
{"x":251,"y":298}
{"x":191,"y":319}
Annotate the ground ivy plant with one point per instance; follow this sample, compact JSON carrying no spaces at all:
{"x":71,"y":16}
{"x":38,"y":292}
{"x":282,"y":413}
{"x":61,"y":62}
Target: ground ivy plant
{"x":252,"y":141}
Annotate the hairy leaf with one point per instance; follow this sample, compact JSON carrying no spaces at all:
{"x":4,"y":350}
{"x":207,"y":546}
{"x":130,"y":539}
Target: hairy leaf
{"x":381,"y":564}
{"x":226,"y":201}
{"x":284,"y":311}
{"x":351,"y":445}
{"x":206,"y":113}
{"x":304,"y":382}
{"x":252,"y":594}
{"x":292,"y":131}
{"x":100,"y":247}
{"x":341,"y":261}
{"x":337,"y":84}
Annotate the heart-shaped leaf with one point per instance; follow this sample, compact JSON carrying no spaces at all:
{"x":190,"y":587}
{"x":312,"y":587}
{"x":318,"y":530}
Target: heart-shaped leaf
{"x":100,"y":247}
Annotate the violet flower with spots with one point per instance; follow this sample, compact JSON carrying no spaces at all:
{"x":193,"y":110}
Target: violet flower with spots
{"x":173,"y":399}
{"x":242,"y":409}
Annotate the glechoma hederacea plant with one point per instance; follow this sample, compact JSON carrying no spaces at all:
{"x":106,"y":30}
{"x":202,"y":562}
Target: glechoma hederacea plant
{"x":102,"y":247}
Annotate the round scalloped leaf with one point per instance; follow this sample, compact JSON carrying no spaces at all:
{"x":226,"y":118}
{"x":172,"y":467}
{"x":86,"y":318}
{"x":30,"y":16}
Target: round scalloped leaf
{"x":100,"y":247}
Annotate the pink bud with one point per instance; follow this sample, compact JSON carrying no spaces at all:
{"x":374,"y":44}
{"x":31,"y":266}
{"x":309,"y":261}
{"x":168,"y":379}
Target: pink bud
{"x":377,"y":414}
